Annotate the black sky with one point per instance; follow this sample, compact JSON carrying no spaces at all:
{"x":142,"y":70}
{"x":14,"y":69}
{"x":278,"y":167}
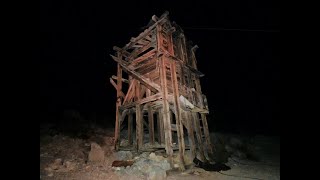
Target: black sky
{"x":238,"y":54}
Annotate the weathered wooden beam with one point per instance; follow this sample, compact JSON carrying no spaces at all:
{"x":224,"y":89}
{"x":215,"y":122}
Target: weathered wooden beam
{"x":195,"y":71}
{"x":178,"y":117}
{"x":143,"y":42}
{"x":145,"y":64}
{"x":143,"y":58}
{"x":206,"y":134}
{"x":139,"y":120}
{"x":158,"y":128}
{"x":118,"y":114}
{"x":143,"y":91}
{"x":130,"y":129}
{"x":138,"y":51}
{"x":123,"y":80}
{"x":160,"y":117}
{"x":130,"y":92}
{"x":152,"y":86}
{"x":123,"y":115}
{"x":147,"y":37}
{"x":115,"y":86}
{"x":190,"y":129}
{"x":166,"y":111}
{"x":151,"y":125}
{"x":198,"y":135}
{"x":139,"y":127}
{"x":122,"y":51}
{"x":150,"y":119}
{"x":150,"y":98}
{"x":146,"y":32}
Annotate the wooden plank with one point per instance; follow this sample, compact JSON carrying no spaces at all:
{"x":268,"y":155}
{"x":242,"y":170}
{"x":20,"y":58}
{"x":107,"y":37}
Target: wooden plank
{"x":207,"y":135}
{"x":143,"y":42}
{"x":160,"y":115}
{"x":138,"y":51}
{"x":142,"y":101}
{"x":150,"y":98}
{"x":143,"y":58}
{"x":147,"y":37}
{"x":151,"y":125}
{"x":192,"y":144}
{"x":130,"y":91}
{"x":130,"y":128}
{"x":177,"y":111}
{"x":123,"y":80}
{"x":152,"y":86}
{"x":139,"y":118}
{"x":118,"y":103}
{"x":166,"y":111}
{"x":198,"y":135}
{"x":139,"y":127}
{"x":145,"y":32}
{"x":145,"y":64}
{"x":158,"y":128}
{"x":115,"y":86}
{"x":143,"y":91}
{"x":146,"y":69}
{"x":123,"y":115}
{"x":122,"y":51}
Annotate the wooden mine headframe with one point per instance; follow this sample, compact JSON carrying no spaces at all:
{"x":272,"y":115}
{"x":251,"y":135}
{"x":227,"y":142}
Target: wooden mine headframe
{"x":163,"y":84}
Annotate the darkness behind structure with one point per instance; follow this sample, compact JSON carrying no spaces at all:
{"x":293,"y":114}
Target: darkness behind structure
{"x":238,"y":55}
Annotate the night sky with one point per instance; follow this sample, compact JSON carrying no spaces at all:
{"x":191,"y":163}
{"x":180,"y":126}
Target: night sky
{"x":238,"y":53}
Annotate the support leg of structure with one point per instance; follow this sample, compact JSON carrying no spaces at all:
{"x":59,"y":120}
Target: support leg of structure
{"x":166,"y":111}
{"x":139,"y":127}
{"x":198,"y":134}
{"x":130,"y":128}
{"x":207,"y":135}
{"x":160,"y":119}
{"x":190,"y":129}
{"x":118,"y":113}
{"x":178,"y":117}
{"x":158,"y":128}
{"x":151,"y":125}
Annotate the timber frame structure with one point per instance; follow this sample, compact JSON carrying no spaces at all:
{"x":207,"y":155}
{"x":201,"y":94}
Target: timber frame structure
{"x":162,"y":84}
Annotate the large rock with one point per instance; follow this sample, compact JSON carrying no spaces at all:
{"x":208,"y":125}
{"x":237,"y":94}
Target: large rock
{"x":157,"y":173}
{"x":124,"y":155}
{"x":69,"y":166}
{"x":57,"y":164}
{"x":96,"y":153}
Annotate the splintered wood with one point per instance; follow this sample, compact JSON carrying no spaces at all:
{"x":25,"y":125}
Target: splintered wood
{"x":163,"y":86}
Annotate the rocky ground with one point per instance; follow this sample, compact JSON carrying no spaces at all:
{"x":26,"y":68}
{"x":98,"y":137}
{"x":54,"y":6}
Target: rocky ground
{"x":90,"y":155}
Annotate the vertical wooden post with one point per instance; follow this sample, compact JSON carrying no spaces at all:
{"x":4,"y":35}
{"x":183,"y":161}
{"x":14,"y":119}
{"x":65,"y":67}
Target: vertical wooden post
{"x":206,"y":134}
{"x":164,"y":91}
{"x":130,"y":128}
{"x":203,"y":116}
{"x":158,"y":127}
{"x":139,"y":127}
{"x":187,"y":116}
{"x":198,"y":134}
{"x":118,"y":104}
{"x":166,"y":111}
{"x":151,"y":125}
{"x":178,"y":118}
{"x":160,"y":118}
{"x":150,"y":119}
{"x":139,"y":120}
